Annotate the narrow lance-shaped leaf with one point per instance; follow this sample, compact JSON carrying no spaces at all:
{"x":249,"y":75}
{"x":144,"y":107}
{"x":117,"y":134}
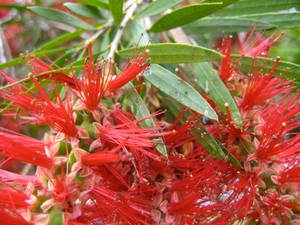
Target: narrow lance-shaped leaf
{"x":157,"y":7}
{"x":214,"y":146}
{"x":225,"y":2}
{"x":183,"y":16}
{"x":140,"y":111}
{"x":136,"y":29}
{"x":210,"y":82}
{"x":181,"y":91}
{"x":288,"y":69}
{"x":219,"y":25}
{"x":13,"y":6}
{"x":282,"y":20}
{"x":60,"y":16}
{"x":257,"y":6}
{"x":96,"y":3}
{"x":173,"y":53}
{"x":62,"y":39}
{"x":116,"y":8}
{"x":37,"y":53}
{"x":84,"y":10}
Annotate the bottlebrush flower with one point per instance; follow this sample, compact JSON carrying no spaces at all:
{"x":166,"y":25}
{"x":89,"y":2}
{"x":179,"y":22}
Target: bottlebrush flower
{"x":258,"y":46}
{"x":8,"y":218}
{"x":134,"y":66}
{"x":93,"y":83}
{"x":261,"y":87}
{"x":10,"y":178}
{"x":288,"y":175}
{"x":100,"y":158}
{"x":44,"y":111}
{"x":23,"y":148}
{"x":38,"y":67}
{"x":106,"y":206}
{"x":227,"y":65}
{"x":13,"y":199}
{"x":97,"y":79}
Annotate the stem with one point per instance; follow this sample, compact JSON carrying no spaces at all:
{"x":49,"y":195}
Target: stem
{"x":99,"y":32}
{"x":117,"y":38}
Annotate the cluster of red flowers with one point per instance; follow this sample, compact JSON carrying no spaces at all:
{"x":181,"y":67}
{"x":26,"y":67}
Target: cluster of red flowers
{"x":98,"y":165}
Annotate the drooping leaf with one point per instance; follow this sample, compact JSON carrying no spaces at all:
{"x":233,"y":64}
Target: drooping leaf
{"x":60,"y":16}
{"x":219,"y":25}
{"x":282,"y":20}
{"x":84,"y":10}
{"x":116,"y":8}
{"x":96,"y":3}
{"x":288,"y":69}
{"x":209,"y":81}
{"x":181,"y":91}
{"x":140,"y":110}
{"x":157,"y":7}
{"x":257,"y":6}
{"x":172,"y":53}
{"x":184,"y":15}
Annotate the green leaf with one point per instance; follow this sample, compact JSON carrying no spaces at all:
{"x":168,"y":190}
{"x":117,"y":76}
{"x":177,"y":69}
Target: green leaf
{"x":257,"y":6}
{"x":282,"y":20}
{"x":62,"y":39}
{"x":116,"y":8}
{"x":60,"y":16}
{"x":209,"y":81}
{"x":225,"y":2}
{"x":184,"y":15}
{"x":214,"y":146}
{"x":157,"y":7}
{"x":209,"y":142}
{"x":288,"y":69}
{"x":181,"y":91}
{"x":137,"y":29}
{"x":172,"y":53}
{"x":84,"y":10}
{"x":36,"y":53}
{"x":63,"y":60}
{"x":140,"y":110}
{"x":231,"y":157}
{"x":219,"y":25}
{"x":13,"y":6}
{"x":96,"y":3}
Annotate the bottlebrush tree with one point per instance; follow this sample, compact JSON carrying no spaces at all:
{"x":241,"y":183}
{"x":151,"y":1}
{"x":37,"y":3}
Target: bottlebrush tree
{"x":148,"y":112}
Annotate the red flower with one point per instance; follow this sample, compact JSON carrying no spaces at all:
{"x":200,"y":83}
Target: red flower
{"x":23,"y":148}
{"x":100,"y":158}
{"x":91,"y":86}
{"x":106,"y":206}
{"x":38,"y":67}
{"x":261,"y":87}
{"x":278,"y":119}
{"x":134,"y":66}
{"x":258,"y":46}
{"x":44,"y":111}
{"x":13,"y":199}
{"x":227,"y":65}
{"x":8,"y":218}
